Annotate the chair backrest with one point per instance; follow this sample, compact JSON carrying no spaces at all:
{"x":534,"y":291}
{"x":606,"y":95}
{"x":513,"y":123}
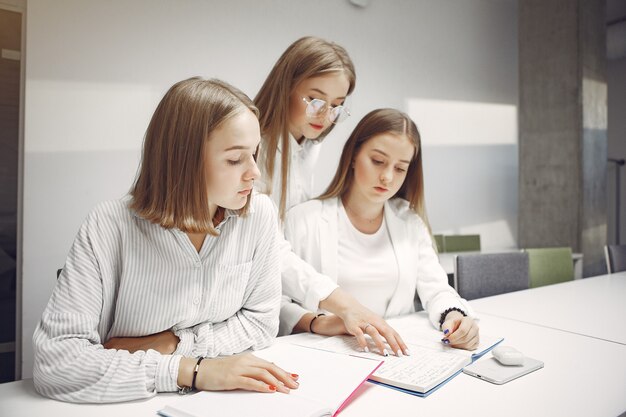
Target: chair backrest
{"x":550,"y":266}
{"x":487,"y":274}
{"x":461,"y":243}
{"x":615,"y":258}
{"x":439,"y":243}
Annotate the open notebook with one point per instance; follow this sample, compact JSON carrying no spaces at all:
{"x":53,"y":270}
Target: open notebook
{"x":327,"y":381}
{"x":430,"y":365}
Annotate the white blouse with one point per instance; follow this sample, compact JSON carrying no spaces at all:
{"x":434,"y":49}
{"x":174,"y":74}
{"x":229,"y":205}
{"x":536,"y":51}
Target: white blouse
{"x":302,"y":160}
{"x":125,"y":276}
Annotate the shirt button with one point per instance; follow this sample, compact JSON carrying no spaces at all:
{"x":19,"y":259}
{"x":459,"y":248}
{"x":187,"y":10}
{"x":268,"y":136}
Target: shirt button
{"x":198,"y":264}
{"x":196,"y":300}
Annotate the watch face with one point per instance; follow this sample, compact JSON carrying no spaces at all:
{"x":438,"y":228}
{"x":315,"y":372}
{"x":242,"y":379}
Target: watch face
{"x":184,"y":390}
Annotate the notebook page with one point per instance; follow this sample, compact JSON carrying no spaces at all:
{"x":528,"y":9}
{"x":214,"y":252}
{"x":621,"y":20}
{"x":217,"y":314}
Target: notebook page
{"x":421,"y":371}
{"x":243,"y":403}
{"x":319,"y":368}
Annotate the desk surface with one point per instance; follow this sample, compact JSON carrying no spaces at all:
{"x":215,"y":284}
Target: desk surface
{"x":594,"y":307}
{"x":583,"y":376}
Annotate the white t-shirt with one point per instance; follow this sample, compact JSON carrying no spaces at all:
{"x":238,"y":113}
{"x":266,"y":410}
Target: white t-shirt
{"x":366,"y":264}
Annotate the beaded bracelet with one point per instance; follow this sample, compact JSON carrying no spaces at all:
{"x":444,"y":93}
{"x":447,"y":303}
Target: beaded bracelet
{"x":311,"y":322}
{"x":195,"y":373}
{"x":442,"y":319}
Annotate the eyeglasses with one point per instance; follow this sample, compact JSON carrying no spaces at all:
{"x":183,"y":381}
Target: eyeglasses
{"x":317,"y":107}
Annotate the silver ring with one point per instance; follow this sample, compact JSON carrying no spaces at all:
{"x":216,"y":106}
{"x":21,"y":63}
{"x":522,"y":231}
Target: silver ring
{"x":366,"y":326}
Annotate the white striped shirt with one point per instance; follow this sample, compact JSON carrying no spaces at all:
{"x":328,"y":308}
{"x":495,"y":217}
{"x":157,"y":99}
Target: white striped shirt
{"x":125,"y":276}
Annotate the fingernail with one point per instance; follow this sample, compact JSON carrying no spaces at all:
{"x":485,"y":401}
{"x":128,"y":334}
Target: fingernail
{"x":366,"y":349}
{"x":446,"y":331}
{"x":399,"y":353}
{"x":295,"y":376}
{"x":407,"y":352}
{"x":445,"y":341}
{"x":385,"y":353}
{"x":271,"y":387}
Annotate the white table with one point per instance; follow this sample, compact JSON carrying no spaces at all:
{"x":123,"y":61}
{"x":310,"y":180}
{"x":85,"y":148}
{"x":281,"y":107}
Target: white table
{"x":447,"y":259}
{"x":594,"y":307}
{"x":583,"y":376}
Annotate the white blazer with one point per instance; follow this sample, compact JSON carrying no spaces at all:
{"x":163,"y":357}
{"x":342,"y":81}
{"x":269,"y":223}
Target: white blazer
{"x":311,"y":228}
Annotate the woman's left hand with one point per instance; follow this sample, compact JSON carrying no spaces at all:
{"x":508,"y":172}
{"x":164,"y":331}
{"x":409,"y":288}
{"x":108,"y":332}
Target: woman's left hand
{"x":460,"y":331}
{"x":165,"y":343}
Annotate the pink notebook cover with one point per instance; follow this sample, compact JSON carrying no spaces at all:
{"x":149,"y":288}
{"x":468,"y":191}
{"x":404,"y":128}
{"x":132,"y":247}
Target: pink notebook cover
{"x":347,"y":400}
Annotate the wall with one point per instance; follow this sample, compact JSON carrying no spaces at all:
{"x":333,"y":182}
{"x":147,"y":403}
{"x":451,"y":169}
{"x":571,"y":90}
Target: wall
{"x":96,"y":70}
{"x":616,"y":80}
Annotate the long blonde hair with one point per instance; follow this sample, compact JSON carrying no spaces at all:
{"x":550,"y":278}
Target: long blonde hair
{"x":305,"y":58}
{"x":375,"y":123}
{"x":170,"y":187}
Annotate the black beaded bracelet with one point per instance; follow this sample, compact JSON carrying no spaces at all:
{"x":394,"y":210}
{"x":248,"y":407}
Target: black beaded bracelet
{"x":442,"y":319}
{"x":195,"y":373}
{"x":311,"y":323}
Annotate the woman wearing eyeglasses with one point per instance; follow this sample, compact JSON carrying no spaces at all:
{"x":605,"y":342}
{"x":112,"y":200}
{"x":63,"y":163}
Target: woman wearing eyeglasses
{"x":369,"y":232}
{"x":300,"y":101}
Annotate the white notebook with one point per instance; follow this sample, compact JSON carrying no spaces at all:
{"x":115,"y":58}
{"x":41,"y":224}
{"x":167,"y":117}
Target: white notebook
{"x":327,"y":381}
{"x":431,"y":363}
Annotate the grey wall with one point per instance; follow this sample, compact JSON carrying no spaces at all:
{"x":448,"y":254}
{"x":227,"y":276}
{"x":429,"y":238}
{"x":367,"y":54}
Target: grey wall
{"x":616,"y":80}
{"x":96,"y":70}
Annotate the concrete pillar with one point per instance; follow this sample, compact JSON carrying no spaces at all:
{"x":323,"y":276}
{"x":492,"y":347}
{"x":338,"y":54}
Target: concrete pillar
{"x":562,"y":127}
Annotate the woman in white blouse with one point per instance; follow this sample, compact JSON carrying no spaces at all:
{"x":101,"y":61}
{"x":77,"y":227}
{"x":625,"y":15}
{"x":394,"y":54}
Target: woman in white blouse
{"x":301,"y":100}
{"x":184,"y":268}
{"x":369,"y":232}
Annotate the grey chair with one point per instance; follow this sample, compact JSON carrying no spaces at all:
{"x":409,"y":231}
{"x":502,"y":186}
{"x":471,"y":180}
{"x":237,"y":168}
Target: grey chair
{"x":615,"y":258}
{"x":484,"y":275}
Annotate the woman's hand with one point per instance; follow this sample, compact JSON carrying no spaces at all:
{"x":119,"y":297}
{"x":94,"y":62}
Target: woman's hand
{"x":164,"y":343}
{"x":244,"y":371}
{"x":329,"y":325}
{"x":460,"y":331}
{"x":360,"y":321}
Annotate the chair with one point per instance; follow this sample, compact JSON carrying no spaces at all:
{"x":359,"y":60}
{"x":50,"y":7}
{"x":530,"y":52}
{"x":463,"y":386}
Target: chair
{"x":615,"y":258}
{"x":487,"y":274}
{"x":461,"y":243}
{"x":439,"y":243}
{"x":550,"y":266}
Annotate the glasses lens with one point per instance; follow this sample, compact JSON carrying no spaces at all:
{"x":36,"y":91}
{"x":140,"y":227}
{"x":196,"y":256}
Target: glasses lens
{"x":338,"y":114}
{"x":315,"y":107}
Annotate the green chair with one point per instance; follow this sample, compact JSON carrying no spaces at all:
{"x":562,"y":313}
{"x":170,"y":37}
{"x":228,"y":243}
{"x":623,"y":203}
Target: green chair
{"x":439,"y":243}
{"x":547,"y":266}
{"x":461,"y":243}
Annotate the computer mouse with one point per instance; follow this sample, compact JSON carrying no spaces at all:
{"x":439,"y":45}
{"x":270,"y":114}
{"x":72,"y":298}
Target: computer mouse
{"x":508,"y":355}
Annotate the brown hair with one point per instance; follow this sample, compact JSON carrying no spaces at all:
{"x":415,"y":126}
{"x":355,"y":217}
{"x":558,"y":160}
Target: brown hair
{"x":170,"y":188}
{"x":375,"y":123}
{"x":305,"y":58}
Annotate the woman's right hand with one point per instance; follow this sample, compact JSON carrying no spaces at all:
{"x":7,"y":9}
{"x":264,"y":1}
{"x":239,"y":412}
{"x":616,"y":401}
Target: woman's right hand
{"x":244,"y":371}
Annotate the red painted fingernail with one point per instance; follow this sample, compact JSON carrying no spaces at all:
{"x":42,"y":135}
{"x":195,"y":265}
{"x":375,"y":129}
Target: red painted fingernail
{"x":271,"y":387}
{"x":295,"y":376}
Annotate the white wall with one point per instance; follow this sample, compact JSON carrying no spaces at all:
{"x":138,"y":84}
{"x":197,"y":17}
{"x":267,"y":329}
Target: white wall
{"x":96,"y":70}
{"x":616,"y":132}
